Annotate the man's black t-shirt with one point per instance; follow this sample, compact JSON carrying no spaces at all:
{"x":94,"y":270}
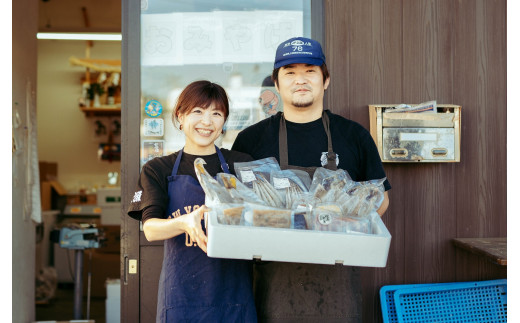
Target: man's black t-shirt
{"x":152,"y":187}
{"x":353,"y":144}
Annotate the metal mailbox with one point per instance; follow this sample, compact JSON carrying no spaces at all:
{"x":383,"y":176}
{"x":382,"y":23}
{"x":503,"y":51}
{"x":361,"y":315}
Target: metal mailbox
{"x":416,"y":137}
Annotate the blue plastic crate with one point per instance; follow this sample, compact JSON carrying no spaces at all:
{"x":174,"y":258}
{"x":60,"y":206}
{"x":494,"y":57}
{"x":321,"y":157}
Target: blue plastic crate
{"x":386,"y":295}
{"x":484,"y":301}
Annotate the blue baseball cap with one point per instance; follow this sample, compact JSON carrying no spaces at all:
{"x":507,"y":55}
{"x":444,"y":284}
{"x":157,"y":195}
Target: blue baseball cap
{"x":299,"y":50}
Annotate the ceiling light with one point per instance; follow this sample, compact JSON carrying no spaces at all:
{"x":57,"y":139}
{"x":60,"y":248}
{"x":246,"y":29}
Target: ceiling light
{"x":80,"y":36}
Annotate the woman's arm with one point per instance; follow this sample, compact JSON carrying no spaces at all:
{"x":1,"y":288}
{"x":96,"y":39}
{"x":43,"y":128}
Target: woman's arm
{"x":384,"y":205}
{"x":162,"y":229}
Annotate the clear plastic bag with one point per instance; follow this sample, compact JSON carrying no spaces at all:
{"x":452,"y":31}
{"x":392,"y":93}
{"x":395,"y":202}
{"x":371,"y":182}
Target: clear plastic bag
{"x":256,"y":175}
{"x":327,"y":217}
{"x":328,"y":185}
{"x":230,"y":214}
{"x":265,"y":216}
{"x":238,"y":191}
{"x":362,"y":198}
{"x":290,"y":185}
{"x":215,"y":193}
{"x":247,"y":172}
{"x":357,"y":225}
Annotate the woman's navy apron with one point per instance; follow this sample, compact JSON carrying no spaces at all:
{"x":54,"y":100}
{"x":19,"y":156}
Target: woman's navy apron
{"x":295,"y":292}
{"x":194,"y":287}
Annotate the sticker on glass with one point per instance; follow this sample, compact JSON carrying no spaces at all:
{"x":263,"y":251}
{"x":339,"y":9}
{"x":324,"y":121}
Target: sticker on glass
{"x":153,"y":108}
{"x":153,"y":127}
{"x":152,"y":149}
{"x":270,"y":101}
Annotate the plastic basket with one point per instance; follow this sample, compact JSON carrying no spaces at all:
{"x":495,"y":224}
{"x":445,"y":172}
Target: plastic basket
{"x":386,"y":295}
{"x":484,"y":301}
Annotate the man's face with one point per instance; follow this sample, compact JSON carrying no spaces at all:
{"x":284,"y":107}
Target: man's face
{"x":301,"y":85}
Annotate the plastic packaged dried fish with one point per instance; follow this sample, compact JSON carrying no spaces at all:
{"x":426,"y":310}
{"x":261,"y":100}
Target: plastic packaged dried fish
{"x":238,"y":191}
{"x":290,"y":184}
{"x":361,"y":199}
{"x":215,"y":193}
{"x":329,"y":185}
{"x":264,"y":190}
{"x":327,"y":217}
{"x":264,"y":216}
{"x":230,"y":214}
{"x":304,"y":205}
{"x":247,"y":171}
{"x":357,"y":225}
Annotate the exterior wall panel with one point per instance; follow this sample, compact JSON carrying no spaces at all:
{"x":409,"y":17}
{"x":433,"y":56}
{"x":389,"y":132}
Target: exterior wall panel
{"x":404,"y":51}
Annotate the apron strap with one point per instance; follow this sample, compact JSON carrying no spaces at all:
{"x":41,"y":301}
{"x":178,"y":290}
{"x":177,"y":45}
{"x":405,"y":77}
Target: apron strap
{"x":221,"y":158}
{"x":223,"y":163}
{"x":177,"y":163}
{"x":284,"y":151}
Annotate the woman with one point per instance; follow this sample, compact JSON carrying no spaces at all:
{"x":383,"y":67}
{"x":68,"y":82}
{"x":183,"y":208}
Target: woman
{"x":170,"y":202}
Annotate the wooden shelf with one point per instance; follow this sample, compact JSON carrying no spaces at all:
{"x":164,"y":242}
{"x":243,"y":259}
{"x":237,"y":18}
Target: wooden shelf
{"x":493,"y":249}
{"x":102,"y":111}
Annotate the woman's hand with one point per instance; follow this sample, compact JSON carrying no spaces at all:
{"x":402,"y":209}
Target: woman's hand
{"x":192,"y":226}
{"x":162,"y":229}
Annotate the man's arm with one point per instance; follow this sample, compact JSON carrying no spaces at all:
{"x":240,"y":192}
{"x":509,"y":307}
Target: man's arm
{"x":384,"y":205}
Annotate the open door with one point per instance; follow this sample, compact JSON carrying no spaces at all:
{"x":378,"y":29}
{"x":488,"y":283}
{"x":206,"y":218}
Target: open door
{"x":166,"y":46}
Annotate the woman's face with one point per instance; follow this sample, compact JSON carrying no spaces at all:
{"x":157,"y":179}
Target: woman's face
{"x":201,"y":128}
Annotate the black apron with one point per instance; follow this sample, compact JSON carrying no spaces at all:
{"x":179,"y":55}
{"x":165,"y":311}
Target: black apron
{"x":296,"y":292}
{"x":194,"y":287}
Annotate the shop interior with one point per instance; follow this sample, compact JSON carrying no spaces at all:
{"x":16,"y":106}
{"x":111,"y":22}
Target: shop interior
{"x":79,"y":154}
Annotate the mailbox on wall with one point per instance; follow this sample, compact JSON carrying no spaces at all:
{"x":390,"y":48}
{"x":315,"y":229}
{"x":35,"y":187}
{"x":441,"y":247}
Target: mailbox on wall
{"x":416,"y":136}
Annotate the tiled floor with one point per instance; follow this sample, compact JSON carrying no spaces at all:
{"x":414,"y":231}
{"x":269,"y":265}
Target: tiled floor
{"x":61,"y":307}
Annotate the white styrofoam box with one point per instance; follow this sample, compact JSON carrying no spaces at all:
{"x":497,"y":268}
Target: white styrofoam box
{"x":113,"y":288}
{"x":113,"y":301}
{"x":112,"y":311}
{"x":301,"y":246}
{"x":107,"y":196}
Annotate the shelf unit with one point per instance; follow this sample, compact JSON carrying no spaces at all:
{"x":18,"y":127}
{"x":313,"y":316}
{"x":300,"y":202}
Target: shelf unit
{"x":99,"y":65}
{"x":102,"y":111}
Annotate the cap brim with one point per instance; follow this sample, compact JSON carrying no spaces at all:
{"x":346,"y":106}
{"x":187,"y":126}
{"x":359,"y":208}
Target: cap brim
{"x":299,"y":60}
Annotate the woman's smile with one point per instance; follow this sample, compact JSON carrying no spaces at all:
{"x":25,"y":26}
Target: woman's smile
{"x":202,"y":126}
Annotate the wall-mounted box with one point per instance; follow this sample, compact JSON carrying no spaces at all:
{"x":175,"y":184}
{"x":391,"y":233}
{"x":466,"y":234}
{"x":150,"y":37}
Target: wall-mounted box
{"x":416,"y":137}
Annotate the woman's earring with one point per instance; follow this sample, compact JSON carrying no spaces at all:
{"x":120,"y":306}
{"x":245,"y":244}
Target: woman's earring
{"x":180,"y":127}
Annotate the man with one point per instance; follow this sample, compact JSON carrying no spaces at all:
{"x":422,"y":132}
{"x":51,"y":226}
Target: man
{"x":306,"y":136}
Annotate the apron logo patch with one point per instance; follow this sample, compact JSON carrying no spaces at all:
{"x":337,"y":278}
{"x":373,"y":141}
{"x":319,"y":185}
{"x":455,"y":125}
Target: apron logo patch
{"x":137,"y":196}
{"x":323,"y":159}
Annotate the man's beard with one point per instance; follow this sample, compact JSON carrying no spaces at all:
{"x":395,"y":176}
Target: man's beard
{"x":302,"y":104}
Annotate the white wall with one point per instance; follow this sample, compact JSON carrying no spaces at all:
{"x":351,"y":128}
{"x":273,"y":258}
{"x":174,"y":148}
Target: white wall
{"x":65,"y":135}
{"x":25,"y":18}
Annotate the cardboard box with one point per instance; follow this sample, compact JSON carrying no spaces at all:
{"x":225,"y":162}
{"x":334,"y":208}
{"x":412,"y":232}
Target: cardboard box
{"x":301,"y":246}
{"x":48,"y":171}
{"x":104,"y":266}
{"x":50,"y":193}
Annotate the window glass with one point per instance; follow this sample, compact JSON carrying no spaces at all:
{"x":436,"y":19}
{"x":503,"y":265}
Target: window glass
{"x":230,"y":42}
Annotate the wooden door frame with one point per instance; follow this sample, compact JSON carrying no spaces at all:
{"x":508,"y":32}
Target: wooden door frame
{"x":130,"y":115}
{"x":130,"y":132}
